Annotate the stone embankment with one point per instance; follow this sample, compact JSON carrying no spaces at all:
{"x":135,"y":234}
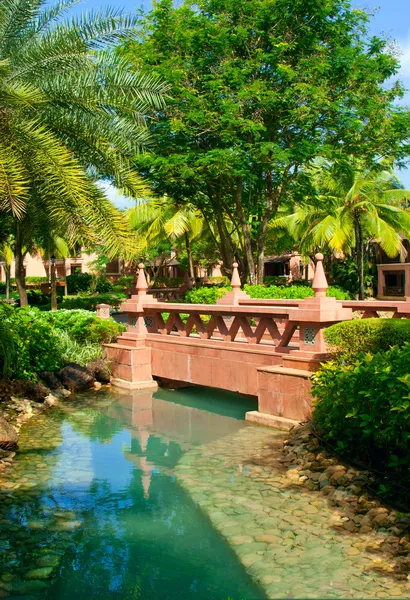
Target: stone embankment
{"x":21,"y":400}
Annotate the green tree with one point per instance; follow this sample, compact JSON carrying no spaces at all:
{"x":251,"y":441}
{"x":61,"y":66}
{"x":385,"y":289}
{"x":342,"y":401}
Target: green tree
{"x":354,"y":204}
{"x":259,"y":89}
{"x":71,"y":112}
{"x":159,"y":220}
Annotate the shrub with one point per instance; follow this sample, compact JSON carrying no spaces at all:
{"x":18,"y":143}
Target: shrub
{"x":78,"y":282}
{"x":46,"y":341}
{"x":364,"y":409}
{"x":2,"y":287}
{"x":70,"y":350}
{"x":275,"y":280}
{"x":35,"y":343}
{"x":338,"y":292}
{"x":344,"y":272}
{"x":85,"y":326}
{"x":349,"y":338}
{"x":102,"y":285}
{"x":90,"y":302}
{"x":125,"y":282}
{"x":288,"y":292}
{"x":205,"y":295}
{"x":222,"y":281}
{"x":168,"y":282}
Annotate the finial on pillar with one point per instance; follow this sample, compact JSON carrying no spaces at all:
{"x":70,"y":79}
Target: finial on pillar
{"x":142,"y":285}
{"x":319,"y":284}
{"x":235,"y":281}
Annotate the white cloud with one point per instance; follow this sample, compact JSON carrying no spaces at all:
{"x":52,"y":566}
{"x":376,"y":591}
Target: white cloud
{"x":115,"y":196}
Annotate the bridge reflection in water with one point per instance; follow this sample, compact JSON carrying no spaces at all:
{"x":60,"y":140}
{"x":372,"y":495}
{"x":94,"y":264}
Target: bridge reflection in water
{"x":167,"y":423}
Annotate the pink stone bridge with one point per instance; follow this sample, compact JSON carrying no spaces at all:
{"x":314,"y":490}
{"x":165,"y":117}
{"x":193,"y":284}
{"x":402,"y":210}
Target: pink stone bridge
{"x":263,"y":348}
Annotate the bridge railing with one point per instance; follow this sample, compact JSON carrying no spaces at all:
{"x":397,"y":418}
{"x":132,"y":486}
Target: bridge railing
{"x":282,"y":325}
{"x":239,"y":324}
{"x":367,"y":308}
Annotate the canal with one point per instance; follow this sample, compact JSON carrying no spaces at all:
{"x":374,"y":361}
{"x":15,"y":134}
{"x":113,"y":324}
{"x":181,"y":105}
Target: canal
{"x":92,"y":507}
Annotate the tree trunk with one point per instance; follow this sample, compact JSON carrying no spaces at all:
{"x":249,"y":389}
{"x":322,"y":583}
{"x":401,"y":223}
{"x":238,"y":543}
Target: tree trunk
{"x":227,"y":250}
{"x":360,"y":257}
{"x":7,"y":271}
{"x":246,"y":230}
{"x":19,"y":261}
{"x":189,"y":252}
{"x":53,"y":286}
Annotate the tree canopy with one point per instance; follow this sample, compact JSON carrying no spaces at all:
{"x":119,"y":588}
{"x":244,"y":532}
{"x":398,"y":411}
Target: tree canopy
{"x":258,"y":90}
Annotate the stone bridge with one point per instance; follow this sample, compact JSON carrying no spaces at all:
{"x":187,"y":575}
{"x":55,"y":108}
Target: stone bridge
{"x":263,"y":348}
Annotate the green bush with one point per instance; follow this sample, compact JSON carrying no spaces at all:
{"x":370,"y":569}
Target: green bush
{"x":168,"y":282}
{"x":349,"y":338}
{"x":102,"y":285}
{"x":35,"y":343}
{"x":222,"y":281}
{"x":291,"y":292}
{"x":47,"y":341}
{"x":84,"y":326}
{"x":70,"y":350}
{"x":363,"y":408}
{"x":124,"y":283}
{"x":275,"y":280}
{"x":90,"y":302}
{"x":209,"y":295}
{"x":205,"y":295}
{"x":78,"y":282}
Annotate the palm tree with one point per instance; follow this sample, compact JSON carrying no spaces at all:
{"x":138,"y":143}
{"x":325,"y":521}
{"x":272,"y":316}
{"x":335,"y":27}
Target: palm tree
{"x":71,"y":113}
{"x":354,"y":204}
{"x":158,"y":219}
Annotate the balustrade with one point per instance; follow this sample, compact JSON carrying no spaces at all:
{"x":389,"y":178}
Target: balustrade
{"x":238,"y":324}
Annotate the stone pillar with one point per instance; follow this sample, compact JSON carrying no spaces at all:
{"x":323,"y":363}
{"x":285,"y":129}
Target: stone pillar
{"x":103,"y":311}
{"x":406,"y":280}
{"x":232,"y":298}
{"x":381,"y":281}
{"x":130,"y":357}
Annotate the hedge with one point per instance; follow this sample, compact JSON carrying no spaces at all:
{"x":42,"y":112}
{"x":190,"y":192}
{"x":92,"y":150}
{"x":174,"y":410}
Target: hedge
{"x":349,"y":338}
{"x":204,"y":295}
{"x":363,"y":408}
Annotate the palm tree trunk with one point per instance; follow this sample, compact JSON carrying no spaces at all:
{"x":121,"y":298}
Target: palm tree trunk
{"x":53,"y":286}
{"x":19,"y":260}
{"x":8,"y":277}
{"x":360,"y":257}
{"x":189,"y":252}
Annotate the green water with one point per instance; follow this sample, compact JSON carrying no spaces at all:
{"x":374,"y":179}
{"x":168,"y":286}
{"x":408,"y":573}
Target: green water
{"x":92,"y":508}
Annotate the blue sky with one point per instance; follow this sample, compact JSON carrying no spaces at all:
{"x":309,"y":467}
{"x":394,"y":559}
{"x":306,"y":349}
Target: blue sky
{"x":391,"y":20}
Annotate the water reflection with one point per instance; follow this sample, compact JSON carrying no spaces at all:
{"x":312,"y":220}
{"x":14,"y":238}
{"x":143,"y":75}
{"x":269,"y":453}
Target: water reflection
{"x":112,"y":521}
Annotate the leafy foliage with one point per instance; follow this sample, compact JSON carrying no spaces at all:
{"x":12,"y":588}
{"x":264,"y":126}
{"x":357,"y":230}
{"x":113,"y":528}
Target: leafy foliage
{"x":363,"y":408}
{"x":35,"y":343}
{"x":84,"y":326}
{"x":46,"y":341}
{"x":72,"y":113}
{"x":78,"y":282}
{"x":258,"y":90}
{"x":204,"y":295}
{"x":71,"y":350}
{"x":349,"y":338}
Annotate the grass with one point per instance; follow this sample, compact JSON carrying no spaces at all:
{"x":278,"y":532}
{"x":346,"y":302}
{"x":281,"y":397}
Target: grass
{"x":79,"y":352}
